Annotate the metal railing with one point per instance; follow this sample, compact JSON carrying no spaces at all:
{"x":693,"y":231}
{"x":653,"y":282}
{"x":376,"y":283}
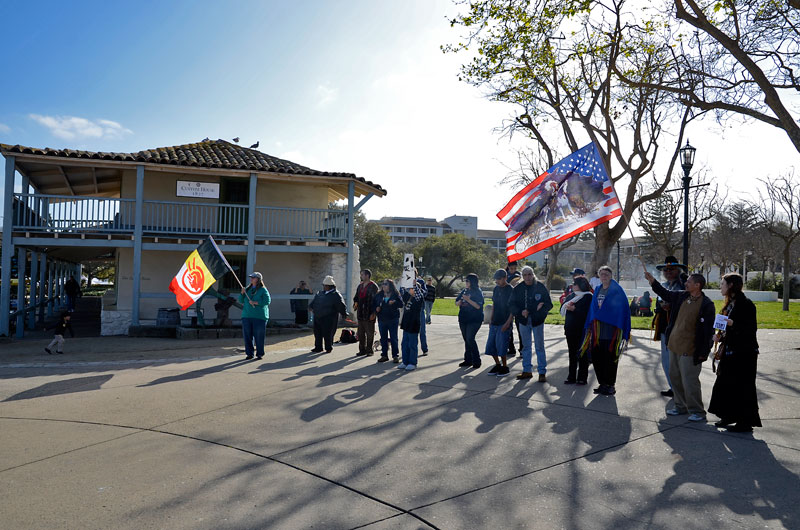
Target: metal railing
{"x":59,"y":214}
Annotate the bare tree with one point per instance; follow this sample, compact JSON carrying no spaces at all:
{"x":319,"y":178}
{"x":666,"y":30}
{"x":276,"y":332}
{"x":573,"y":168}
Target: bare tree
{"x":567,"y":90}
{"x":740,"y":58}
{"x":779,"y":213}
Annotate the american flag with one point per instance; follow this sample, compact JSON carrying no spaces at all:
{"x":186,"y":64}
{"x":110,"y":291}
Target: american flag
{"x":572,"y":196}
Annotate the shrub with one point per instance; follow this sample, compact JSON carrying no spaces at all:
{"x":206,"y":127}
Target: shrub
{"x":557,"y":283}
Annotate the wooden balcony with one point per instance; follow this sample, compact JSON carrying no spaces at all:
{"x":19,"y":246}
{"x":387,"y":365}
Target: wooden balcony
{"x":69,"y":215}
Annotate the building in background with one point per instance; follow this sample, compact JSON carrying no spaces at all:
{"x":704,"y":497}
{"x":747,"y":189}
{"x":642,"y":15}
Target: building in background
{"x":146,"y":211}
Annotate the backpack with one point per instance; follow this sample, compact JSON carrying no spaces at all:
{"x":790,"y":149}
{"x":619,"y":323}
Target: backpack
{"x":347,"y":337}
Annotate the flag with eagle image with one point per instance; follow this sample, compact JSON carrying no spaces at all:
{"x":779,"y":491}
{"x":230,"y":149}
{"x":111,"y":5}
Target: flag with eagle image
{"x":204,"y":266}
{"x":572,"y":196}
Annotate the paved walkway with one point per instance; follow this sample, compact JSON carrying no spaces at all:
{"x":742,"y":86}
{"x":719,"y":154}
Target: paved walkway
{"x":154,"y":433}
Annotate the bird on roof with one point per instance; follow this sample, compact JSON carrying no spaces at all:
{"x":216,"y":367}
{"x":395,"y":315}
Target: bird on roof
{"x":254,"y":146}
{"x":206,"y":139}
{"x":236,"y":140}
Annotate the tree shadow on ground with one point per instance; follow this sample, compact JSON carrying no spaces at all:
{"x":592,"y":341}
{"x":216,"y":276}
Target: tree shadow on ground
{"x":66,"y":386}
{"x":752,"y":482}
{"x":194,"y":374}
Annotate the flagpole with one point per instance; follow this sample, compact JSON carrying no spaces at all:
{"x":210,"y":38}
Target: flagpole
{"x":210,"y":237}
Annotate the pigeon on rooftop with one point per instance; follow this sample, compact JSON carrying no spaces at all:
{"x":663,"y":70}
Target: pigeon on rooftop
{"x":254,"y":146}
{"x":236,"y":140}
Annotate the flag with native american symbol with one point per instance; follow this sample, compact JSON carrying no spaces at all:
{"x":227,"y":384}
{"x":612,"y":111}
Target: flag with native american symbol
{"x":572,"y":196}
{"x":205,"y":265}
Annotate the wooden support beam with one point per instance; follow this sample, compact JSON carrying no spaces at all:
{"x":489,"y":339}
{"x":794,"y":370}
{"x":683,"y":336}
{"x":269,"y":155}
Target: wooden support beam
{"x":94,"y":180}
{"x":66,"y":179}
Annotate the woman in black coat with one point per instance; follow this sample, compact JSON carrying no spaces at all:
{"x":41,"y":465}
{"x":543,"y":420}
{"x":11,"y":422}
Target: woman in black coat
{"x":574,"y":310}
{"x":734,"y":397}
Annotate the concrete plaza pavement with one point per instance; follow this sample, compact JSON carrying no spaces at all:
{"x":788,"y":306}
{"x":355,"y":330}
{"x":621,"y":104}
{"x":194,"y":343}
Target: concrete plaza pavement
{"x":158,"y":433}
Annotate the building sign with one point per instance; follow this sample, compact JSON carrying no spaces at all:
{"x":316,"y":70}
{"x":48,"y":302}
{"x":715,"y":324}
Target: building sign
{"x":203,"y":190}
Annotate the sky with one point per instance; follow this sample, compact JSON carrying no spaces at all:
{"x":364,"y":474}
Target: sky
{"x":355,"y":86}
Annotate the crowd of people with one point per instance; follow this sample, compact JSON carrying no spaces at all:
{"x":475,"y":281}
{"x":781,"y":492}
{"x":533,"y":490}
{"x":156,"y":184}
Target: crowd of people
{"x":597,"y":327}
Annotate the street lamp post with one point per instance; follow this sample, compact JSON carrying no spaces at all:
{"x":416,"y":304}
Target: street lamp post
{"x":687,"y":161}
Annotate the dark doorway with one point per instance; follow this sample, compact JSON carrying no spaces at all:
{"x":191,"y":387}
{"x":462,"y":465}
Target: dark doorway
{"x":233,"y":221}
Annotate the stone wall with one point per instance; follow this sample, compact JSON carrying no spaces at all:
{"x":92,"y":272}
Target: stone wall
{"x":114,"y":322}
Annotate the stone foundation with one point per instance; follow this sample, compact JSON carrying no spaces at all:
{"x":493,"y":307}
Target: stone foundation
{"x":114,"y":322}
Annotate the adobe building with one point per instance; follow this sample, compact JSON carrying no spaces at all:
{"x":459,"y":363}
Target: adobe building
{"x":147,"y":211}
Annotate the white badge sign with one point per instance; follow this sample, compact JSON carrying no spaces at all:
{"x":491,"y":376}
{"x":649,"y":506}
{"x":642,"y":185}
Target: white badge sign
{"x":407,"y":280}
{"x":202,"y":190}
{"x":720,"y":322}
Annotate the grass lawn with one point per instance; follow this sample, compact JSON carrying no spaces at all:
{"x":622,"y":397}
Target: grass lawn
{"x":770,"y":314}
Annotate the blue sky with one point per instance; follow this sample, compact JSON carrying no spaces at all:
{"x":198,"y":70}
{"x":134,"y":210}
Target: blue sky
{"x":358,"y":86}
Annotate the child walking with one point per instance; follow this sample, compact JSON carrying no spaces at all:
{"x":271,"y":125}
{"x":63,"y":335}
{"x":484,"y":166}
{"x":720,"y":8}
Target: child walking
{"x":58,"y":338}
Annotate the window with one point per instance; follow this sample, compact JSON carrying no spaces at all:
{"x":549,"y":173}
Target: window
{"x":411,"y":230}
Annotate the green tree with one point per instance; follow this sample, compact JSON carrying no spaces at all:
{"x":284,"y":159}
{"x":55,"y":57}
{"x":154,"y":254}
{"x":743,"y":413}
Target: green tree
{"x":456,"y":255}
{"x":376,"y":250}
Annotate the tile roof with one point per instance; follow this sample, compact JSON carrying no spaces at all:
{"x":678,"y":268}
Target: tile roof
{"x":212,"y":154}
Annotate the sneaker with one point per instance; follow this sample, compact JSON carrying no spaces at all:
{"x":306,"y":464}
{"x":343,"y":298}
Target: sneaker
{"x":259,"y":356}
{"x":383,"y":359}
{"x":722,"y":423}
{"x":401,"y":366}
{"x":569,"y":382}
{"x":411,"y":367}
{"x":697,"y":417}
{"x":476,"y":366}
{"x":48,"y":351}
{"x":609,"y":391}
{"x":525,"y":375}
{"x":464,"y":364}
{"x":542,"y":378}
{"x":424,"y":353}
{"x":360,"y":353}
{"x":668,"y":393}
{"x":494,"y":370}
{"x":502,"y":371}
{"x":328,"y":351}
{"x":315,"y":350}
{"x":395,"y":360}
{"x":248,"y":357}
{"x":600,"y":389}
{"x":675,"y":412}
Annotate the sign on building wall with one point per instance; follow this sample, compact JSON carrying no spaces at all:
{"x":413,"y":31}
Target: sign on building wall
{"x":203,"y":190}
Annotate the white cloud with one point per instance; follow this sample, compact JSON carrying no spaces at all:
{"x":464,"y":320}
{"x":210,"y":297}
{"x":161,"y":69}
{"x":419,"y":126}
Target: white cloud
{"x":5,"y":129}
{"x":326,"y":94}
{"x":73,"y":127}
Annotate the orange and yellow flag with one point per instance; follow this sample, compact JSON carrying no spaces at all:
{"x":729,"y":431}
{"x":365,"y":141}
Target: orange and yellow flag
{"x":205,"y":265}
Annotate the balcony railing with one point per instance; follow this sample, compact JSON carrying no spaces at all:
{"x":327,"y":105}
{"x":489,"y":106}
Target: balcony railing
{"x":67,"y":214}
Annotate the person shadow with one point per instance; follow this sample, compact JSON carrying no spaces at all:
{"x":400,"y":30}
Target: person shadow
{"x":752,"y":481}
{"x":66,"y":386}
{"x":568,"y":415}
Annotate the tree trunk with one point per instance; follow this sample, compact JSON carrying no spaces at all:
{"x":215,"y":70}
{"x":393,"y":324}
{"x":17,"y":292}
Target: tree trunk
{"x":787,"y":258}
{"x":603,"y":244}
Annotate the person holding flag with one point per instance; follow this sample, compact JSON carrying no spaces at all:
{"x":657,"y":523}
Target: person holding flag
{"x":255,"y":302}
{"x":607,"y":331}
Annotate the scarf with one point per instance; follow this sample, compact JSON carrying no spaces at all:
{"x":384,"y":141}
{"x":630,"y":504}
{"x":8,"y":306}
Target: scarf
{"x":574,"y":300}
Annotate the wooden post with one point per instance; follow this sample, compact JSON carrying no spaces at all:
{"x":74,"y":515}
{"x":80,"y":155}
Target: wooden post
{"x":251,"y":224}
{"x":7,"y":249}
{"x":137,"y":246}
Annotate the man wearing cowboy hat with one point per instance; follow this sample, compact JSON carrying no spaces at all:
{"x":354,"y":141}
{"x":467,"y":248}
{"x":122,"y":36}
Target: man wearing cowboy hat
{"x":671,"y":269}
{"x":327,"y":305}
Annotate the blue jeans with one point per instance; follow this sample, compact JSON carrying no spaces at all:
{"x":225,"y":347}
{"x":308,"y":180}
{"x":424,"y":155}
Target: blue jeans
{"x":388,"y":331}
{"x":409,"y":348}
{"x":471,"y":353}
{"x":428,"y":309}
{"x":497,"y":343}
{"x":254,"y":329}
{"x":538,"y":340}
{"x":423,"y":335}
{"x":665,"y":358}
